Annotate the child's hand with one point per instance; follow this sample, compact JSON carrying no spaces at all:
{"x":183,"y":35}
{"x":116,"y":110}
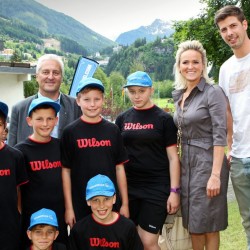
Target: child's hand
{"x":70,"y":217}
{"x":124,"y":210}
{"x":173,"y":203}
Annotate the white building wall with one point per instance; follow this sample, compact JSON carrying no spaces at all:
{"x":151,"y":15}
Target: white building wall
{"x":11,"y":88}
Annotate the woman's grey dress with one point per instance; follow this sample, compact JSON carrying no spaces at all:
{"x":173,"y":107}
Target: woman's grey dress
{"x":203,"y":125}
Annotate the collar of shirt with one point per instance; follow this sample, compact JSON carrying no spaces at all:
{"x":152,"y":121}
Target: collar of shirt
{"x":54,"y":132}
{"x":57,"y":101}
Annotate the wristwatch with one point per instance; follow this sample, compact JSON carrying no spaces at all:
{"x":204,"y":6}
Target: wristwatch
{"x":175,"y":190}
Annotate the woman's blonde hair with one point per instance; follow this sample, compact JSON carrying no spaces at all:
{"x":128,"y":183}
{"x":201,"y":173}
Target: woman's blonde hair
{"x":180,"y":81}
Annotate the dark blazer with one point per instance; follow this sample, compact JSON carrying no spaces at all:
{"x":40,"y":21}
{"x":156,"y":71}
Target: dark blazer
{"x":20,"y":130}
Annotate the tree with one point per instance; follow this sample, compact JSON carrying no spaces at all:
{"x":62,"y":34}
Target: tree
{"x":30,"y":87}
{"x":100,"y":74}
{"x":68,"y":75}
{"x":163,"y":89}
{"x":115,"y":96}
{"x":107,"y":51}
{"x":17,"y":56}
{"x":68,"y":45}
{"x":155,"y":58}
{"x":139,"y":42}
{"x":136,"y":66}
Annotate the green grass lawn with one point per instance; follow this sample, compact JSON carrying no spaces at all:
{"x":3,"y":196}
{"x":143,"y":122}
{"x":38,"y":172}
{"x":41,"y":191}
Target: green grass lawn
{"x":233,"y":238}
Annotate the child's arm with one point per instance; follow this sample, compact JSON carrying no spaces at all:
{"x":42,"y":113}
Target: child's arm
{"x":123,"y":189}
{"x":19,"y":200}
{"x":173,"y":202}
{"x":69,"y":211}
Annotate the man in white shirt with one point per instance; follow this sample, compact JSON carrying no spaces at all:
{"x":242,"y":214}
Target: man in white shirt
{"x":234,"y":78}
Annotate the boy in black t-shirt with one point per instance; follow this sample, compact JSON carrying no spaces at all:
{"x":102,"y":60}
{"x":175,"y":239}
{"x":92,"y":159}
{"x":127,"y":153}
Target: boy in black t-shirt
{"x":43,"y":163}
{"x":12,"y":175}
{"x":153,"y":172}
{"x":103,"y":228}
{"x":43,"y":231}
{"x":91,"y":145}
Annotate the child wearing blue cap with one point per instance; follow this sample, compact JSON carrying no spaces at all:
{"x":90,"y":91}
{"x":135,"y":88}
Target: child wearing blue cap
{"x":153,"y":172}
{"x":3,"y":125}
{"x":103,"y":228}
{"x":12,"y":175}
{"x":43,"y":164}
{"x":43,"y":231}
{"x":91,"y":145}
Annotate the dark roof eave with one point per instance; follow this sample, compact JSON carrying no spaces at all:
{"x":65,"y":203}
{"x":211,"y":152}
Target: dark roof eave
{"x":17,"y":70}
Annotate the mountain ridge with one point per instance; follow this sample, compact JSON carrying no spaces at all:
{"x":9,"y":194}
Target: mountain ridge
{"x":158,"y":28}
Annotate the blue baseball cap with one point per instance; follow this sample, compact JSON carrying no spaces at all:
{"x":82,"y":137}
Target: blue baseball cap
{"x":43,"y":101}
{"x":4,"y":108}
{"x":139,"y":78}
{"x":99,"y":185}
{"x":43,"y":216}
{"x":89,"y":82}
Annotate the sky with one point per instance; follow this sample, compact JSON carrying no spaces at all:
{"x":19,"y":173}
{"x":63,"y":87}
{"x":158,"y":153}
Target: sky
{"x":110,"y":18}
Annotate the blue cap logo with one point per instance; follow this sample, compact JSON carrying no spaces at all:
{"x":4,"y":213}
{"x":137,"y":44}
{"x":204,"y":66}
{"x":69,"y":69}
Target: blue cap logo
{"x":89,"y":82}
{"x":43,"y":101}
{"x":44,"y":216}
{"x":140,"y":79}
{"x":99,"y":185}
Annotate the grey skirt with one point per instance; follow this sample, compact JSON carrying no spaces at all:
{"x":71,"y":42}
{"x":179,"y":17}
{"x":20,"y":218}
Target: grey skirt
{"x":200,"y":213}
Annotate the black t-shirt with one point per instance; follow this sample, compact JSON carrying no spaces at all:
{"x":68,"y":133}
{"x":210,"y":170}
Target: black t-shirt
{"x":146,"y":134}
{"x":89,"y":149}
{"x":89,"y":234}
{"x":55,"y":246}
{"x":44,"y":190}
{"x":43,"y":163}
{"x":12,"y":174}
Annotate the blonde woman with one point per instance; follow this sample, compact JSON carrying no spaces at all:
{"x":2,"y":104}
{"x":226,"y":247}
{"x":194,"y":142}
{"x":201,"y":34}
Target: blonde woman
{"x":201,"y":120}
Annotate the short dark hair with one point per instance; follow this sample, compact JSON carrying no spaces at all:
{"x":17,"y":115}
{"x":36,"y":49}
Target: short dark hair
{"x":229,"y":10}
{"x":2,"y":117}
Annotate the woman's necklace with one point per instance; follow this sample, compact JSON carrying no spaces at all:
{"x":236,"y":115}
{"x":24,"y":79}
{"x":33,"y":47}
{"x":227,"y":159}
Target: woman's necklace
{"x":180,"y":119}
